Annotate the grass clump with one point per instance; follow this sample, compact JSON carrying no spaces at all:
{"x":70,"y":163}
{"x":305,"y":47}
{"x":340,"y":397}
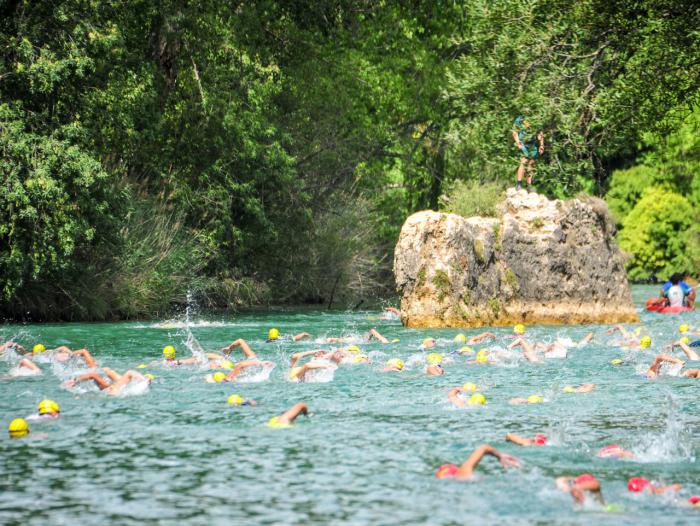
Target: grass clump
{"x":472,"y":198}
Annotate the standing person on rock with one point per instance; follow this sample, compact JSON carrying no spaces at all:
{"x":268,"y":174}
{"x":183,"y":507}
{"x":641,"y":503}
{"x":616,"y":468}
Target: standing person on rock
{"x":530,"y":142}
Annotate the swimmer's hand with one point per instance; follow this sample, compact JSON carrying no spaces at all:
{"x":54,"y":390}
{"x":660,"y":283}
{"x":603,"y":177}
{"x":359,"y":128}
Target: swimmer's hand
{"x":69,"y":383}
{"x":509,"y":461}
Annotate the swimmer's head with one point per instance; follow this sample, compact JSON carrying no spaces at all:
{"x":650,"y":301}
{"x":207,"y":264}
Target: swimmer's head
{"x":141,"y":366}
{"x":49,"y":407}
{"x":685,"y":340}
{"x":616,"y":361}
{"x":539,"y":439}
{"x":227,"y":364}
{"x":434,"y":358}
{"x":465,"y":350}
{"x":519,"y":328}
{"x":428,"y":343}
{"x":235,"y":399}
{"x":218,"y":376}
{"x":534,"y":399}
{"x":638,"y":484}
{"x":446,"y":471}
{"x":360,"y":358}
{"x":273,"y":334}
{"x":586,"y":477}
{"x":396,"y":363}
{"x":275,"y":423}
{"x":149,"y":377}
{"x":477,"y":399}
{"x":169,"y":352}
{"x":694,"y":501}
{"x":460,"y":338}
{"x":482,"y":356}
{"x":612,"y":450}
{"x":470,"y":387}
{"x":683,"y":328}
{"x":18,"y":428}
{"x":645,"y":342}
{"x":353,"y":349}
{"x":39,"y":347}
{"x":568,"y":389}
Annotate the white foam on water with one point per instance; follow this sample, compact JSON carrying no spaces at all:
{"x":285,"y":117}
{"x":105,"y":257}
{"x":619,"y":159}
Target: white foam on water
{"x":255,"y":374}
{"x":134,"y":388}
{"x":673,"y":443}
{"x":319,"y":376}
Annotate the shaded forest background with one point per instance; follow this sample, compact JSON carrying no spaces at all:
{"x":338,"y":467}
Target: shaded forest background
{"x":267,"y":151}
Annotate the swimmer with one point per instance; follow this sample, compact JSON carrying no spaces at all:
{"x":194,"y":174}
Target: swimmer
{"x":374,"y":334}
{"x":434,"y":367}
{"x":242,"y":366}
{"x":392,"y":310}
{"x":455,"y":398}
{"x":301,"y":336}
{"x":466,"y":470}
{"x":479,"y":338}
{"x":26,"y":367}
{"x":114,"y":384}
{"x":689,"y":352}
{"x":48,"y":410}
{"x":614,"y":451}
{"x":390,"y":313}
{"x":394,"y":365}
{"x":630,"y":340}
{"x":170,"y":359}
{"x":12,"y":346}
{"x":528,"y":350}
{"x":640,"y":484}
{"x":428,"y":343}
{"x":287,"y":418}
{"x":298,"y":374}
{"x":654,"y":368}
{"x":537,"y":440}
{"x":581,"y":486}
{"x":532,"y":399}
{"x":236,"y":400}
{"x":584,"y":388}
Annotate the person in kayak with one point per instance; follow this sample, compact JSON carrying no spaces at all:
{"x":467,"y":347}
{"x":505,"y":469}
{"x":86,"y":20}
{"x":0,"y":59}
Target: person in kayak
{"x":530,"y":142}
{"x":677,"y":292}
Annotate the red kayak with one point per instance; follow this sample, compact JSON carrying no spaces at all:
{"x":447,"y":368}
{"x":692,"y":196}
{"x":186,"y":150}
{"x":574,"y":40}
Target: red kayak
{"x":659,"y":305}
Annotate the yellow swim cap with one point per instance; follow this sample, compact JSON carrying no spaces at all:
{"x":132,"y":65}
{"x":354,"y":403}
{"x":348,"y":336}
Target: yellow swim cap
{"x":477,"y":399}
{"x":150,"y":376}
{"x":360,"y":358}
{"x":534,"y":399}
{"x":460,"y":338}
{"x":235,"y":399}
{"x":353,"y":349}
{"x":275,"y":423}
{"x":169,"y":352}
{"x":568,"y":389}
{"x":141,"y":366}
{"x":218,"y":376}
{"x":395,"y":340}
{"x":685,"y":340}
{"x":39,"y":347}
{"x":227,"y":364}
{"x":470,"y":387}
{"x":482,"y":359}
{"x":465,"y":350}
{"x":616,"y":361}
{"x":645,"y":342}
{"x":434,"y":358}
{"x":396,"y":363}
{"x":273,"y":334}
{"x":48,"y":406}
{"x":519,"y":329}
{"x":683,"y":328}
{"x":428,"y":341}
{"x":18,"y":428}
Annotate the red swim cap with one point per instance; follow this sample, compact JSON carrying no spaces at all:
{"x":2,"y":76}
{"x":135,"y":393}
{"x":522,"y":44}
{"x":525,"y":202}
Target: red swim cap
{"x":613,"y":450}
{"x":694,"y":500}
{"x":446,"y":470}
{"x":637,"y":484}
{"x":586,"y":477}
{"x":540,"y":440}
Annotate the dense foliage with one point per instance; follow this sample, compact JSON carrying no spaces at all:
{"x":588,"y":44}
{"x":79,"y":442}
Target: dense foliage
{"x":270,"y":151}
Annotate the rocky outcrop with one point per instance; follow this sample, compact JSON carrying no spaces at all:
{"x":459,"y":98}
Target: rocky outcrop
{"x":541,"y":261}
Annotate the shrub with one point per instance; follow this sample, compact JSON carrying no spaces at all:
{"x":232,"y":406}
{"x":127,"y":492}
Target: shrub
{"x":473,"y":198}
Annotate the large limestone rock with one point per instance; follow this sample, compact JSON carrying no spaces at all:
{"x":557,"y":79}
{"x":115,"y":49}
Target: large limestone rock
{"x":541,"y":261}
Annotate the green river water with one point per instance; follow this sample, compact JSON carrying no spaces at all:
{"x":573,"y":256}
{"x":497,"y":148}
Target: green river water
{"x":178,"y":454}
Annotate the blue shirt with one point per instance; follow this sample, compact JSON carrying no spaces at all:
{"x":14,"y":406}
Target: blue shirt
{"x":683,"y":285}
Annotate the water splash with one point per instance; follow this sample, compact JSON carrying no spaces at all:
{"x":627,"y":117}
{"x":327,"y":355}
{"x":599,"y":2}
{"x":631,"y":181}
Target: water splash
{"x":672,"y":444}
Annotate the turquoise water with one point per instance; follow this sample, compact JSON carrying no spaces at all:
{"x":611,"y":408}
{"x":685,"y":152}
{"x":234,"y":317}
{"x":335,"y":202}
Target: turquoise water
{"x":368,"y":452}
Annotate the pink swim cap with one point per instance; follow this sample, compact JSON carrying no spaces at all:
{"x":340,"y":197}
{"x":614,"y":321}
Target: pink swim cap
{"x":637,"y":484}
{"x":540,"y":440}
{"x":613,"y":450}
{"x":446,"y":471}
{"x":694,"y":500}
{"x":586,"y":477}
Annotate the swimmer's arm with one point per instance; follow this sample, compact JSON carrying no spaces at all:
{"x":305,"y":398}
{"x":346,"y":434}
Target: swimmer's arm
{"x":243,"y":365}
{"x":85,"y":355}
{"x":12,"y":345}
{"x":586,"y":339}
{"x":665,"y":489}
{"x":585,"y":388}
{"x":517,"y":439}
{"x":375,"y":334}
{"x":290,"y":414}
{"x":61,"y":348}
{"x":453,"y":397}
{"x":113,"y":375}
{"x":188,"y":361}
{"x":213,"y":356}
{"x":466,"y":469}
{"x":28,"y":364}
{"x":690,"y":353}
{"x":480,"y":337}
{"x":301,"y":336}
{"x":101,"y":382}
{"x":577,"y":490}
{"x":240,"y":342}
{"x":393,"y":309}
{"x":299,"y":355}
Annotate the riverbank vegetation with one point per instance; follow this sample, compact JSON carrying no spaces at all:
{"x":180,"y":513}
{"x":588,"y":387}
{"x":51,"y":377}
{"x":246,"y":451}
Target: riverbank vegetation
{"x":268,"y":152}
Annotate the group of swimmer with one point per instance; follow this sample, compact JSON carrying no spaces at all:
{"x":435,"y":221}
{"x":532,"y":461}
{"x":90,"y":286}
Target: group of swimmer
{"x":304,"y":365}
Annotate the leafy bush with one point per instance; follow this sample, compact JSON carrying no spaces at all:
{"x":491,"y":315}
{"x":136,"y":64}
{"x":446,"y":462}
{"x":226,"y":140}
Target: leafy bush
{"x":473,"y":198}
{"x":660,"y":234}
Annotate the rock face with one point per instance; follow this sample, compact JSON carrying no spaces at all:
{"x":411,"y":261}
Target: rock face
{"x":541,"y":261}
